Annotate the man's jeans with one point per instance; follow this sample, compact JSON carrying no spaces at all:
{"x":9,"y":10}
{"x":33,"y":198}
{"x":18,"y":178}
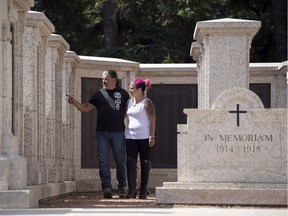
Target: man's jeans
{"x":116,"y":141}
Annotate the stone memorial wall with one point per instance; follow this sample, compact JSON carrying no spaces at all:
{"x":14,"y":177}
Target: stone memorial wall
{"x":40,"y":134}
{"x":232,"y":150}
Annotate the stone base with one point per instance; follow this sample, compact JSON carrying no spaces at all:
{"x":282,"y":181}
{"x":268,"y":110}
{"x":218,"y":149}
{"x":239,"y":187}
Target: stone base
{"x":222,"y":194}
{"x":29,"y":197}
{"x":88,"y":185}
{"x":157,"y":176}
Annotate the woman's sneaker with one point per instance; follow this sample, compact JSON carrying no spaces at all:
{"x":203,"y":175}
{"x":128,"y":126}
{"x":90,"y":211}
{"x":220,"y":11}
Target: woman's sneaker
{"x":107,"y":193}
{"x":131,"y":196}
{"x":143,"y":194}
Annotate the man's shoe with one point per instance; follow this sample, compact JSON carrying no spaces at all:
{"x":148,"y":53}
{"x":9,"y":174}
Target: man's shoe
{"x":121,"y":193}
{"x":107,"y":193}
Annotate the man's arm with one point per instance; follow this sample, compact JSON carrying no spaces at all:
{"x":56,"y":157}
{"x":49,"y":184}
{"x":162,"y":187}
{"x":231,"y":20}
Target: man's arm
{"x":85,"y":107}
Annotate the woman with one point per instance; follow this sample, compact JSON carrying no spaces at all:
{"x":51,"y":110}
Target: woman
{"x":140,"y":136}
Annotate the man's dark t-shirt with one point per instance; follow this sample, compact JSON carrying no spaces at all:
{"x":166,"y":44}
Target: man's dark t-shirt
{"x":107,"y":118}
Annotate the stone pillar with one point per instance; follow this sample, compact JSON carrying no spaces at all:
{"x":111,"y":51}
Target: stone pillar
{"x":12,"y":166}
{"x":42,"y":29}
{"x":50,"y":113}
{"x":30,"y":88}
{"x":65,"y":127}
{"x":43,"y":174}
{"x":225,"y":49}
{"x":71,"y":61}
{"x":2,"y":20}
{"x":59,"y":47}
{"x":77,"y":124}
{"x":4,"y":164}
{"x":59,"y":96}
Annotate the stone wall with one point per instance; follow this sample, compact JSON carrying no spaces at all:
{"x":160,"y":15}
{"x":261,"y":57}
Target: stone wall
{"x":232,"y":150}
{"x":40,"y":134}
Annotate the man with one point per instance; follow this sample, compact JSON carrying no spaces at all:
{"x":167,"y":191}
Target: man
{"x":110,"y":102}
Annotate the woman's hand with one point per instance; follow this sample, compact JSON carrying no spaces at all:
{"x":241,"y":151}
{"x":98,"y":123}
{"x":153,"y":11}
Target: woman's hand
{"x":151,"y":141}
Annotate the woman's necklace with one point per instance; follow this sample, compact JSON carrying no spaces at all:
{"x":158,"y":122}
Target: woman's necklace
{"x":135,"y":102}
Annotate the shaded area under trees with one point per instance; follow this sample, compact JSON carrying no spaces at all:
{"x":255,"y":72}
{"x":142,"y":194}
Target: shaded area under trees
{"x":158,"y":31}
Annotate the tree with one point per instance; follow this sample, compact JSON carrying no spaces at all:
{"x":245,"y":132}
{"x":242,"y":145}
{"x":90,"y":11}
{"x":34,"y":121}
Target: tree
{"x":77,"y":21}
{"x":152,"y":31}
{"x":110,"y":24}
{"x":279,"y":20}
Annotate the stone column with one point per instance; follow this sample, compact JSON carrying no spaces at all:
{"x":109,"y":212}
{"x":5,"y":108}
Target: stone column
{"x":77,"y":125}
{"x":2,"y":20}
{"x":65,"y":128}
{"x":71,"y":61}
{"x":8,"y":141}
{"x":50,"y":113}
{"x":59,"y":47}
{"x":42,"y":29}
{"x":59,"y":95}
{"x":30,"y":104}
{"x":225,"y":49}
{"x":12,"y":166}
{"x":43,"y":174}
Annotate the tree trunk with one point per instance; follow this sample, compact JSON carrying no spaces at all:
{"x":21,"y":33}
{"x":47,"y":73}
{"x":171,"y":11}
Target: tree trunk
{"x":110,"y":24}
{"x":279,"y":20}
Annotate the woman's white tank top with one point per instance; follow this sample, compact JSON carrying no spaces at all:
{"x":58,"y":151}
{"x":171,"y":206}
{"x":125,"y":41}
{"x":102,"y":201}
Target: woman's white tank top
{"x":139,"y":124}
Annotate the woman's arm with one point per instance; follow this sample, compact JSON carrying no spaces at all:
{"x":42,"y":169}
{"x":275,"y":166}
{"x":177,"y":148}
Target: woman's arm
{"x":150,"y":110}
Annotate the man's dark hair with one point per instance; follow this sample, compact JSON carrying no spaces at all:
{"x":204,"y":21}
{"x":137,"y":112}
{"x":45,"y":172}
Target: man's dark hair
{"x":113,"y":74}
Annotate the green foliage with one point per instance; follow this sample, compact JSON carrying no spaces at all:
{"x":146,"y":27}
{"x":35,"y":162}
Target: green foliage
{"x":153,"y":31}
{"x":76,"y":20}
